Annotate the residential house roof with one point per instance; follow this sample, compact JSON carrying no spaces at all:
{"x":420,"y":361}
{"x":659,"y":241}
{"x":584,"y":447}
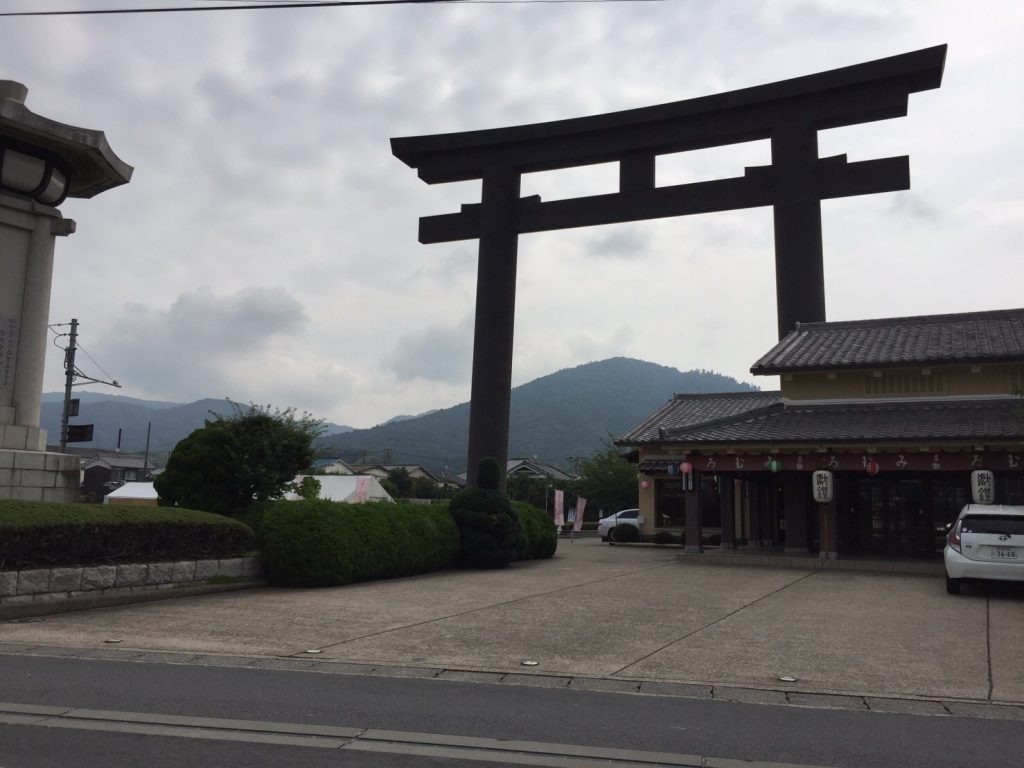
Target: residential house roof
{"x":971,"y":337}
{"x":117,"y":461}
{"x":533,"y":468}
{"x":382,"y":470}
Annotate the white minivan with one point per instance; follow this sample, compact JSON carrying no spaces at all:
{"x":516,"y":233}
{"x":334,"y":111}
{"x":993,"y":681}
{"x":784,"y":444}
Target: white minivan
{"x":985,"y":542}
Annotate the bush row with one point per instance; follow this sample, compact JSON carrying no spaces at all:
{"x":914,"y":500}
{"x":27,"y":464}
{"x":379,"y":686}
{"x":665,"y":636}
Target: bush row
{"x":319,"y":543}
{"x":37,"y":534}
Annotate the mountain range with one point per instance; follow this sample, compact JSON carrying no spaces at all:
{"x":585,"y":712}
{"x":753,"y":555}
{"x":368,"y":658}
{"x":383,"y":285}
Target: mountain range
{"x":556,"y":419}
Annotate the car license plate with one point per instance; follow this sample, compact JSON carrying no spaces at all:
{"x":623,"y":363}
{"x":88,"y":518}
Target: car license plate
{"x":1004,"y":553}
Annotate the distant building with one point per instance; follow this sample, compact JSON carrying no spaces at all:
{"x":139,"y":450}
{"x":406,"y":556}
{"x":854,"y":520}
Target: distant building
{"x":332,"y":467}
{"x":104,"y":472}
{"x":535,"y":469}
{"x":381,"y":471}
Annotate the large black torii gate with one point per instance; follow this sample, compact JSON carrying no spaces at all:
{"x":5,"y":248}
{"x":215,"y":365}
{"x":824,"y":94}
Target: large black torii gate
{"x":789,"y":113}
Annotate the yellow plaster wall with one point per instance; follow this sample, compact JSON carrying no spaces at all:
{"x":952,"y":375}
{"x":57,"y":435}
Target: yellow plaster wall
{"x":992,"y":379}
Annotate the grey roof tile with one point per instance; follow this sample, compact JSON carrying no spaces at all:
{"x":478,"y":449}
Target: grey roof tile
{"x":691,"y":410}
{"x":972,"y":337}
{"x":932,"y":419}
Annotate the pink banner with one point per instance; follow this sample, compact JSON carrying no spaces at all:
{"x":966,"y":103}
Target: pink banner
{"x":559,"y":508}
{"x":362,"y":484}
{"x":577,"y":524}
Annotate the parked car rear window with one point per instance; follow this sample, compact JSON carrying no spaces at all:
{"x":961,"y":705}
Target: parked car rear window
{"x":1011,"y":525}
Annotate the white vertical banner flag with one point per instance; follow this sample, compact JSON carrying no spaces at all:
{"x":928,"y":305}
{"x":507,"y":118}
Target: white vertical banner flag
{"x":581,"y":503}
{"x":559,"y":508}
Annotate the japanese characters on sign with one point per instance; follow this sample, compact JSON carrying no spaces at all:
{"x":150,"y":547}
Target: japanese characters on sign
{"x":871,"y":464}
{"x":983,"y":487}
{"x":821,"y":486}
{"x":8,"y":355}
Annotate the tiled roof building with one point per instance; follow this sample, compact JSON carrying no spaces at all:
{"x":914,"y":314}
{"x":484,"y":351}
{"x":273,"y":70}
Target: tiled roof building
{"x":901,"y":411}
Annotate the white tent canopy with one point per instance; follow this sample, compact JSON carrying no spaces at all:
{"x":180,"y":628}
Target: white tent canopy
{"x":350,"y":488}
{"x":132,"y":492}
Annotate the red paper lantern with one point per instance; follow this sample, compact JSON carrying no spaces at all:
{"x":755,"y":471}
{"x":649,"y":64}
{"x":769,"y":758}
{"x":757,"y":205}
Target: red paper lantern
{"x":872,"y":467}
{"x":686,"y":468}
{"x":645,"y":484}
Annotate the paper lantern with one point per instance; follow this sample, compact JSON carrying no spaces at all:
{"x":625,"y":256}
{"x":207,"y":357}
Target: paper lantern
{"x":774,"y":465}
{"x":686,"y":468}
{"x":871,"y":467}
{"x":645,"y":484}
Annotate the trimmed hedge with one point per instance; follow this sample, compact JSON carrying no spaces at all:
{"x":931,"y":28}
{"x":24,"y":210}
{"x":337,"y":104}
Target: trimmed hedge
{"x":318,"y":543}
{"x":541,"y":535}
{"x":39,"y":534}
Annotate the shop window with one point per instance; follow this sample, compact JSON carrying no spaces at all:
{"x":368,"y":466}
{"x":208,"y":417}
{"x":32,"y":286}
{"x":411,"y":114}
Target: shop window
{"x":670,"y":505}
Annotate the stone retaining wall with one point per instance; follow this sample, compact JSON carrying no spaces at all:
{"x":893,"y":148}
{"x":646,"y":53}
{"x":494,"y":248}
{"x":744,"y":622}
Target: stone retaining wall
{"x":50,"y":590}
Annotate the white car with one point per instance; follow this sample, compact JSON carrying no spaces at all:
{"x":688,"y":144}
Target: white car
{"x":985,"y":542}
{"x":624,"y":516}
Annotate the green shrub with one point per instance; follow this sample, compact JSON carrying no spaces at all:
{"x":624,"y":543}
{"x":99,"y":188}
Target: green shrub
{"x":37,"y":534}
{"x":319,"y":543}
{"x":624,"y":532}
{"x":490,"y":535}
{"x":540,"y":534}
{"x":664,"y":537}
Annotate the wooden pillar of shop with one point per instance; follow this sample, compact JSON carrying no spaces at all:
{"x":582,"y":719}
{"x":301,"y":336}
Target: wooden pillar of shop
{"x":755,"y":495}
{"x":694,"y":524}
{"x":727,"y":502}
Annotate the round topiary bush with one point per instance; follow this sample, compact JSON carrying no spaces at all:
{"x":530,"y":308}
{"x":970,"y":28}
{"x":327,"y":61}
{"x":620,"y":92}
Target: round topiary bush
{"x":489,"y":530}
{"x":539,"y":532}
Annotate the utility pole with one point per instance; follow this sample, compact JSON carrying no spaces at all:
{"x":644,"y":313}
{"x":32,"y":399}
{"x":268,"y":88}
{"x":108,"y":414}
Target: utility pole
{"x":69,"y":378}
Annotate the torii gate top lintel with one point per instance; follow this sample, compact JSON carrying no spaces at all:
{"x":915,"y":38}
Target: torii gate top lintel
{"x":874,"y":90}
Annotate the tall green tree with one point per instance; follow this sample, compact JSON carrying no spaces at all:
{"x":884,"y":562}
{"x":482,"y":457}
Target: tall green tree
{"x":233,"y":461}
{"x":608,"y":482}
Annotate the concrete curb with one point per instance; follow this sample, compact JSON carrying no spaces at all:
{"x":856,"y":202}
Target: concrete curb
{"x":860,"y":702}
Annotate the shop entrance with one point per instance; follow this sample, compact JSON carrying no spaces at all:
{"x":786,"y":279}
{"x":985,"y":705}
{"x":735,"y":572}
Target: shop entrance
{"x":902,"y":516}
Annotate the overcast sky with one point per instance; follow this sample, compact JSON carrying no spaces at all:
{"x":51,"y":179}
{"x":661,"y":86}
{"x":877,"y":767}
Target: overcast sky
{"x":266,"y":248}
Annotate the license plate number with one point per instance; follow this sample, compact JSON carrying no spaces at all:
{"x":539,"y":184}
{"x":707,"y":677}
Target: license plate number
{"x":1004,"y":553}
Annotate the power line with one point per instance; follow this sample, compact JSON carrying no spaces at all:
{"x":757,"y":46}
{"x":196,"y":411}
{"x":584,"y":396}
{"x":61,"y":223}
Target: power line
{"x":271,"y":4}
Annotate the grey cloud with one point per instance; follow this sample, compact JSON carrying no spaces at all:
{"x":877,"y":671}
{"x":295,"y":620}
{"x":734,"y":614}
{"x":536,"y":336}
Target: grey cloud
{"x":914,"y":206}
{"x":434,"y":354}
{"x":203,"y":343}
{"x":623,"y":242}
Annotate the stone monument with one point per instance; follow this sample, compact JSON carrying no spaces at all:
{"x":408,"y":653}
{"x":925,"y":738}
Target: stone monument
{"x":42,"y":162}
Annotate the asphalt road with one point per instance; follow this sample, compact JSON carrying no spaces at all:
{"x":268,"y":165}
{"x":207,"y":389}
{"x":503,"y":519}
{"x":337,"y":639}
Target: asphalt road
{"x":315,"y":718}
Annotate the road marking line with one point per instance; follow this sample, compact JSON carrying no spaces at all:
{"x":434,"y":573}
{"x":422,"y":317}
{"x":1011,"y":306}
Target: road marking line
{"x":548,"y":755}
